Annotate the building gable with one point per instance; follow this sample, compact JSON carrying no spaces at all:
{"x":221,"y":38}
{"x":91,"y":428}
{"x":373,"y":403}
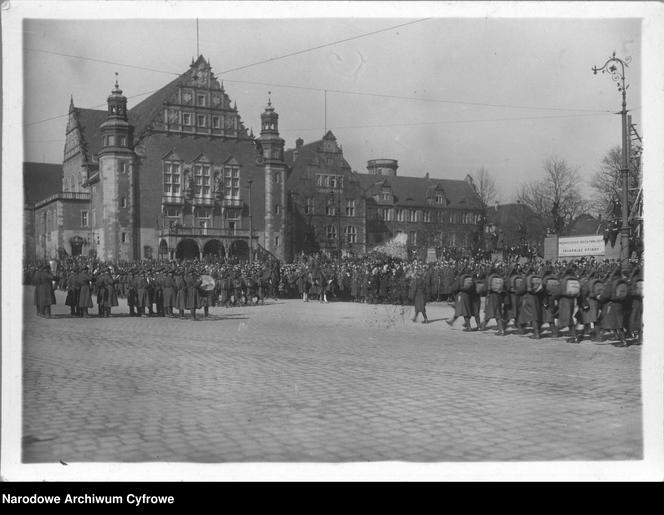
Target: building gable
{"x":195,"y":103}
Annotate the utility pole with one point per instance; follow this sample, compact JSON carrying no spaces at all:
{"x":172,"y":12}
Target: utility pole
{"x":619,"y":77}
{"x":251,"y":224}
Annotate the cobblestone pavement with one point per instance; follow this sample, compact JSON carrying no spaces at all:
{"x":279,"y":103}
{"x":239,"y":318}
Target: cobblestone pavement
{"x":291,"y":381}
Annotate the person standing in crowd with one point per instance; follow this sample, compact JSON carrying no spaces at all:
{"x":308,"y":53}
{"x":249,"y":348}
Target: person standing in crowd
{"x":106,"y":295}
{"x":192,"y":282}
{"x":158,"y":292}
{"x":85,"y":292}
{"x":181,"y":292}
{"x":168,"y":292}
{"x":143,"y":294}
{"x":205,"y":298}
{"x":73,"y":292}
{"x":44,"y":293}
{"x":132,"y":293}
{"x":419,"y":295}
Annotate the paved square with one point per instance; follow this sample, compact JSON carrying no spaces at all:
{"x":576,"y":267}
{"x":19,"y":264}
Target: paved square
{"x":291,"y":381}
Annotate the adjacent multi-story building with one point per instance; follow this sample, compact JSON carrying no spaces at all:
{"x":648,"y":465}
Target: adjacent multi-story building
{"x":180,"y":176}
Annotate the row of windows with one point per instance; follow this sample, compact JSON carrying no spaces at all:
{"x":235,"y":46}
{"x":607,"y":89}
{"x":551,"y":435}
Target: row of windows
{"x":201,"y":98}
{"x":202,"y":180}
{"x":330,"y":207}
{"x":174,"y":213}
{"x":188,"y":119}
{"x":329,"y":181}
{"x":389,"y":214}
{"x":438,"y":198}
{"x":350,"y":233}
{"x":115,"y":140}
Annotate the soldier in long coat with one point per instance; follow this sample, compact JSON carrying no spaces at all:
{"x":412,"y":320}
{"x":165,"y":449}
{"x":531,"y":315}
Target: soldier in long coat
{"x":613,"y":309}
{"x":132,"y":295}
{"x":588,"y":308}
{"x":419,"y":295}
{"x":157,"y":290}
{"x":192,"y":283}
{"x":530,"y":311}
{"x":463,"y":306}
{"x":303,"y":284}
{"x":44,"y":294}
{"x":566,"y":306}
{"x":73,"y":291}
{"x":549,"y":304}
{"x":106,"y":294}
{"x":168,"y":292}
{"x":496,"y":305}
{"x":181,"y":292}
{"x":143,"y":294}
{"x":84,"y":280}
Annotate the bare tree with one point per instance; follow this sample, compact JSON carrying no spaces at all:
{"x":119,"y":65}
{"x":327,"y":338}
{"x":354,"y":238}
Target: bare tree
{"x":555,"y":198}
{"x":485,"y":187}
{"x":607,"y":183}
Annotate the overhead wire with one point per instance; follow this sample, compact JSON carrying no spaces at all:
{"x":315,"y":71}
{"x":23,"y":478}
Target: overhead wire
{"x":292,"y":86}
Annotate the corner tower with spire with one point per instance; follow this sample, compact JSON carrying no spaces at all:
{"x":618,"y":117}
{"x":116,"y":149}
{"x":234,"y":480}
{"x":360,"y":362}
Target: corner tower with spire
{"x":114,"y":225}
{"x":275,"y":182}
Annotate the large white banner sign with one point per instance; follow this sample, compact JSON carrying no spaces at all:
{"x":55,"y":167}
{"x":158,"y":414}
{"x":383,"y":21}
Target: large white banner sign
{"x":581,"y":246}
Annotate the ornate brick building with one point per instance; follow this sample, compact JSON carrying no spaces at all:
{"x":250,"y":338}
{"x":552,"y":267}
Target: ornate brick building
{"x":180,"y":176}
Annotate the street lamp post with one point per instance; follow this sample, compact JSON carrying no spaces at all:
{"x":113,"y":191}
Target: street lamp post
{"x":611,"y":66}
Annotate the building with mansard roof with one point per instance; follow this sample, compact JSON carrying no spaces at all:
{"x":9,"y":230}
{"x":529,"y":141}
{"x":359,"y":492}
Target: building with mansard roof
{"x":180,"y":176}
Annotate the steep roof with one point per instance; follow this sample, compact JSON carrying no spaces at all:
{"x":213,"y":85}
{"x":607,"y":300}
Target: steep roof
{"x":412,"y":191}
{"x":89,"y":121}
{"x":142,"y":114}
{"x":40,"y":180}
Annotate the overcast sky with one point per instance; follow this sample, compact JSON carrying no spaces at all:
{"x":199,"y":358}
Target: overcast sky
{"x":450,"y":67}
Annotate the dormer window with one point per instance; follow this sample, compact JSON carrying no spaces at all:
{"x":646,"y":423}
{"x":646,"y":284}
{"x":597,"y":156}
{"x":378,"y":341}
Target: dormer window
{"x":386,"y":195}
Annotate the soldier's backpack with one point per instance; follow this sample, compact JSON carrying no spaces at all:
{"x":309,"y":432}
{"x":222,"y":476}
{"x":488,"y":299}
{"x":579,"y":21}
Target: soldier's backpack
{"x":619,"y":290}
{"x":497,"y":284}
{"x":533,"y":282}
{"x":467,"y":283}
{"x":571,"y":286}
{"x":552,"y":286}
{"x":637,"y":290}
{"x":518,"y":284}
